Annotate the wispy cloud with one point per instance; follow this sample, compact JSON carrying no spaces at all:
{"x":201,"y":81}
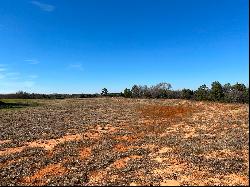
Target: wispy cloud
{"x":13,"y":75}
{"x":2,"y":73}
{"x":33,"y":76}
{"x":2,"y":69}
{"x":28,"y":84}
{"x":77,"y":66}
{"x":11,"y":81}
{"x":32,"y":61}
{"x":43,"y":6}
{"x":2,"y":76}
{"x":9,"y":75}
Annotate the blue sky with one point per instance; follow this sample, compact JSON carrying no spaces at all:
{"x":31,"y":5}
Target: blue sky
{"x":76,"y":46}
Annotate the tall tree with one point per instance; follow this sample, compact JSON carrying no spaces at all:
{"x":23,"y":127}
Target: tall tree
{"x":135,"y":91}
{"x":216,"y":91}
{"x":202,"y":93}
{"x":186,"y":94}
{"x":127,"y":93}
{"x":104,"y":92}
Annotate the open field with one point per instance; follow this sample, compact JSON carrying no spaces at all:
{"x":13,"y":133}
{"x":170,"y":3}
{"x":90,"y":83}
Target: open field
{"x":111,"y":141}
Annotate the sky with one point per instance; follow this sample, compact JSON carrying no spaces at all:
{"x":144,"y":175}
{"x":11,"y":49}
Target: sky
{"x":82,"y":46}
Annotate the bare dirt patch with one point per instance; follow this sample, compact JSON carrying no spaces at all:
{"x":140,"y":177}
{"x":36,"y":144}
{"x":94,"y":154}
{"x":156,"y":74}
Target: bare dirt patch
{"x":158,"y":112}
{"x":46,"y":144}
{"x":85,"y":153}
{"x":122,"y":163}
{"x":39,"y":177}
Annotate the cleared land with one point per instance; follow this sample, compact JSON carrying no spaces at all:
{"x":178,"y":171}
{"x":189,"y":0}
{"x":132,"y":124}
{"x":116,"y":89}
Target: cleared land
{"x":109,"y":141}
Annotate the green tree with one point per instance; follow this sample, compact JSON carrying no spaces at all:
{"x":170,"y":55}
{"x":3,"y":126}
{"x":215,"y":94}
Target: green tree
{"x":186,"y":94}
{"x":202,"y":93}
{"x":135,"y":91}
{"x":216,"y":91}
{"x":159,"y":90}
{"x":239,"y":87}
{"x":241,"y":93}
{"x":127,"y":93}
{"x":246,"y":95}
{"x":104,"y":92}
{"x":227,"y":91}
{"x":238,"y":93}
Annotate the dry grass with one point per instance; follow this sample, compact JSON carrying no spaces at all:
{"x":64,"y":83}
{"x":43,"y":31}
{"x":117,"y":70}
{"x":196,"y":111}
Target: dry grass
{"x":125,"y":142}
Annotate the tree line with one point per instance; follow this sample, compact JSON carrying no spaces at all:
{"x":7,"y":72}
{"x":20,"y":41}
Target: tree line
{"x":26,"y":95}
{"x":237,"y":93}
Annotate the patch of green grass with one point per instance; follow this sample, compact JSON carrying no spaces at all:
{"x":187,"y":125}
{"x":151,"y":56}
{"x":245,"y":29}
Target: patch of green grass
{"x":17,"y":103}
